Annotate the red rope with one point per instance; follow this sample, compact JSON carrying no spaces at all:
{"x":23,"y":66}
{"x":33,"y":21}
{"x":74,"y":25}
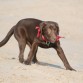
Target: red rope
{"x":43,"y":38}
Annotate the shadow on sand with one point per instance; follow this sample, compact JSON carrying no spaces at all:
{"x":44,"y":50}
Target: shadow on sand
{"x":50,"y":65}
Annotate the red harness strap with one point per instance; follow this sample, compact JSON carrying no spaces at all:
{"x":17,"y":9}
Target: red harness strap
{"x":43,"y":38}
{"x":39,"y":32}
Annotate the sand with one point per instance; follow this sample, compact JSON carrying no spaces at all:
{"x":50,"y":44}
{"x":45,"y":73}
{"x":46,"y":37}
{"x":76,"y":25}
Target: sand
{"x":69,"y":15}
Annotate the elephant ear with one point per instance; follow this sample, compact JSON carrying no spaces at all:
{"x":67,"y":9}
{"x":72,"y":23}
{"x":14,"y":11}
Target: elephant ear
{"x":42,"y":26}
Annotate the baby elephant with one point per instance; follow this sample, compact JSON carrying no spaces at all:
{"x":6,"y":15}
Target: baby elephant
{"x":34,"y":33}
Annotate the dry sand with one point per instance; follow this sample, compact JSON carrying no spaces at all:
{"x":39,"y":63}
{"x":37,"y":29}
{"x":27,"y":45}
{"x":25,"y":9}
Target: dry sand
{"x":69,"y":15}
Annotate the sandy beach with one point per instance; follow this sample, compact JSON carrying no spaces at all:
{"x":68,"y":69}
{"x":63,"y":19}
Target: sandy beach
{"x":69,"y":15}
